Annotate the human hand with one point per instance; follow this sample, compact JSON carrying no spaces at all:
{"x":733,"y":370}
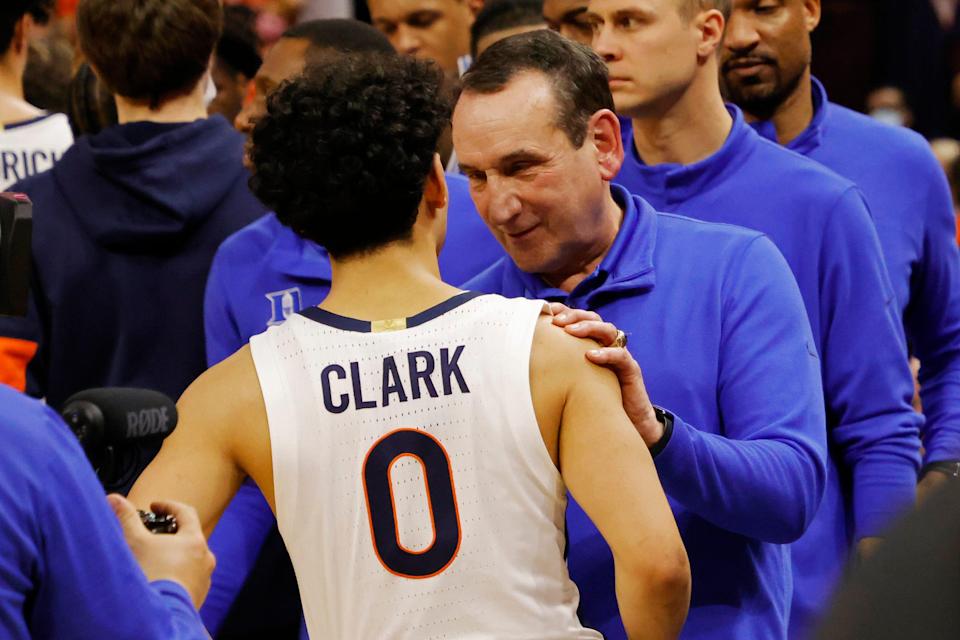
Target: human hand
{"x":636,"y":402}
{"x":182,"y":557}
{"x":867,"y":547}
{"x":931,"y":480}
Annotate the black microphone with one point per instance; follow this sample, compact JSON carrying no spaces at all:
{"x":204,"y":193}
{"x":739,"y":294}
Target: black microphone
{"x":119,"y":416}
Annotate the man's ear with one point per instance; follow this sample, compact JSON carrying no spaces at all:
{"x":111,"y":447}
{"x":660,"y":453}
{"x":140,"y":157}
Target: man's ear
{"x":811,"y":14}
{"x":603,"y":130}
{"x":435,"y":192}
{"x":710,"y":24}
{"x":475,"y":6}
{"x":21,"y":34}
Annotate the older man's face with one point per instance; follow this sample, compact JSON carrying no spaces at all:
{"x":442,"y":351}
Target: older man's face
{"x":540,"y":196}
{"x":437,"y":30}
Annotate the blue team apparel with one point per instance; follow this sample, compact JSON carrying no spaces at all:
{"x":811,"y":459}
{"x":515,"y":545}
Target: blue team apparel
{"x":717,"y":324}
{"x":65,"y":570}
{"x":823,"y":227}
{"x":125,"y":228}
{"x":260,"y":276}
{"x":911,"y":205}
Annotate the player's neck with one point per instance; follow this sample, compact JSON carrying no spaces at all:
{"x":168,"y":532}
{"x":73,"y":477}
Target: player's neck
{"x":691,"y":129}
{"x":793,"y":115}
{"x":186,"y":108}
{"x":396,"y":281}
{"x":13,"y":106}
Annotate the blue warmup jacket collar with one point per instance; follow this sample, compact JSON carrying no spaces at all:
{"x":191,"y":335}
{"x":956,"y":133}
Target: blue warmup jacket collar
{"x":810,"y":138}
{"x":626,"y":269}
{"x":713,"y":313}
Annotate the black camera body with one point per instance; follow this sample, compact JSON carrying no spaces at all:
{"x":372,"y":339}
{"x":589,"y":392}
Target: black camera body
{"x":16,"y":232}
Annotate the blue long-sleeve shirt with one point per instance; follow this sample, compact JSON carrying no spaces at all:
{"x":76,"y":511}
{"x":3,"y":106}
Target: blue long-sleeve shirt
{"x":261,"y":275}
{"x":911,"y":205}
{"x":823,"y":227}
{"x":65,"y":570}
{"x":718,"y":327}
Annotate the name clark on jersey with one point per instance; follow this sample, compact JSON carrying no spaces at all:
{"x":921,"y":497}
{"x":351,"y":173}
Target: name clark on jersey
{"x":423,"y":374}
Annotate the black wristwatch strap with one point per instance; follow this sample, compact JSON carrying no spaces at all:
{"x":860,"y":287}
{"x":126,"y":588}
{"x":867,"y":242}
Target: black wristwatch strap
{"x":665,"y":418}
{"x":947,"y":467}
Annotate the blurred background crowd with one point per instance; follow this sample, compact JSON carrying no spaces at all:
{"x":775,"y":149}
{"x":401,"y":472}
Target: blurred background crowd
{"x":897,"y":60}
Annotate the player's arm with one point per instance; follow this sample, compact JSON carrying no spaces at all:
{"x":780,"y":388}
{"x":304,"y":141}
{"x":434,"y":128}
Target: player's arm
{"x":220,"y":438}
{"x":608,"y":469}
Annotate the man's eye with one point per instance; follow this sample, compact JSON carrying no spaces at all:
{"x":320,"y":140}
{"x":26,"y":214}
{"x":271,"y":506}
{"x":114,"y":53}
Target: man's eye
{"x":423,"y":20}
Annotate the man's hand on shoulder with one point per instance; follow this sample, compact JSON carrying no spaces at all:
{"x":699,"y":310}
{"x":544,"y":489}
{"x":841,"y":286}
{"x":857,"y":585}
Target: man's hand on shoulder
{"x":636,"y":402}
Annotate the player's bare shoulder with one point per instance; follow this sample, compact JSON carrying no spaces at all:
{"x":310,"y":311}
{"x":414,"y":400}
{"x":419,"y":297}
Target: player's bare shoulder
{"x":557,"y":363}
{"x":226,"y":403}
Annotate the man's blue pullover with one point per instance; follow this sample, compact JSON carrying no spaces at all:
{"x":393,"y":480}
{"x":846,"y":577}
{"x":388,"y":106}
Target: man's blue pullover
{"x":823,"y":227}
{"x":717,"y":324}
{"x":66,"y":572}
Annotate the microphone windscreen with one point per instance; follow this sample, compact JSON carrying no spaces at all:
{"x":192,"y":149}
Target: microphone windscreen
{"x":130,"y":414}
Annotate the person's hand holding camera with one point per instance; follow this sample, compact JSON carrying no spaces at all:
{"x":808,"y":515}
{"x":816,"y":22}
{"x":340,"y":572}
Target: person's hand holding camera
{"x":182,"y":557}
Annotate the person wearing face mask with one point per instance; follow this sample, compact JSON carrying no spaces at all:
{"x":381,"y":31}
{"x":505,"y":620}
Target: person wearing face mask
{"x":766,"y":71}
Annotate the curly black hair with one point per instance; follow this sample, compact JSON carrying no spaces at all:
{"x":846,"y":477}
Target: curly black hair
{"x":343,"y":153}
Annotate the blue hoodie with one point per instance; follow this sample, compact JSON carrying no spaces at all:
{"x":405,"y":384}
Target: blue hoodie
{"x":821,"y":224}
{"x":65,"y":568}
{"x":717,"y":325}
{"x":911,"y":204}
{"x":125,"y":228}
{"x":261,"y":275}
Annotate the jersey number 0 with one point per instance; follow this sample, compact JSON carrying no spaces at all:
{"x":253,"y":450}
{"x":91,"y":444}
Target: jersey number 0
{"x":441,"y":498}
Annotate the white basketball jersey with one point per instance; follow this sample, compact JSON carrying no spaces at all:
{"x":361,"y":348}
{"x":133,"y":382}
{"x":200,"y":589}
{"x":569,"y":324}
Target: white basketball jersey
{"x":413,"y":488}
{"x":30,"y":147}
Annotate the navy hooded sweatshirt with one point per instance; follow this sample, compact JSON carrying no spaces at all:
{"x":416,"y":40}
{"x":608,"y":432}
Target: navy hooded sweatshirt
{"x":125,"y":228}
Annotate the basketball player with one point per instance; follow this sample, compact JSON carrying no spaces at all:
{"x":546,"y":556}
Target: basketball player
{"x":415,"y":441}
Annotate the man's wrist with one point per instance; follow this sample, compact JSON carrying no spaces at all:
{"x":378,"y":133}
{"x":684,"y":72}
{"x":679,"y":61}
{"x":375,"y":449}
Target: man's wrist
{"x":949,"y":468}
{"x":665,"y":419}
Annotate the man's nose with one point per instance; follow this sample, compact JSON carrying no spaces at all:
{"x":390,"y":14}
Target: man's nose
{"x":604,"y":44}
{"x":504,"y":202}
{"x":406,"y":41}
{"x":741,"y":34}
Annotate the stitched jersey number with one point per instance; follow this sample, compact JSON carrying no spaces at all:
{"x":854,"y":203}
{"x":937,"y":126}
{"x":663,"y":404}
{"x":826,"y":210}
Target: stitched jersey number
{"x":441,"y":498}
